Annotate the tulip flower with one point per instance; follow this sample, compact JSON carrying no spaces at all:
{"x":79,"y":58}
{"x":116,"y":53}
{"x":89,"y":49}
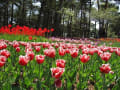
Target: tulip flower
{"x":91,"y":51}
{"x":17,"y":49}
{"x":30,"y":54}
{"x":28,"y":49}
{"x":105,"y":68}
{"x":3,"y":45}
{"x":80,"y":46}
{"x":99,"y":52}
{"x":5,"y":53}
{"x":105,"y":56}
{"x":104,"y":49}
{"x":40,"y":58}
{"x":84,"y":58}
{"x":60,"y":63}
{"x":67,"y":50}
{"x":9,"y":25}
{"x":85,"y":51}
{"x":2,"y":60}
{"x":30,"y":37}
{"x":15,"y":44}
{"x":74,"y":53}
{"x":56,"y":45}
{"x":50,"y":52}
{"x":111,"y":50}
{"x":37,"y":48}
{"x":57,"y":72}
{"x":46,"y":45}
{"x":52,"y":29}
{"x":23,"y":60}
{"x":62,"y":51}
{"x":117,"y":51}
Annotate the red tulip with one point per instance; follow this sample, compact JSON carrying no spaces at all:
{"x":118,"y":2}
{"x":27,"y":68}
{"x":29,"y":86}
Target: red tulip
{"x":56,"y":45}
{"x":48,"y":30}
{"x":58,"y":83}
{"x":40,"y":59}
{"x":84,"y":47}
{"x":5,"y":53}
{"x":111,"y":50}
{"x":37,"y":48}
{"x":57,"y":72}
{"x":117,"y":51}
{"x":74,"y":53}
{"x":30,"y":37}
{"x":84,"y":58}
{"x":91,"y":51}
{"x":3,"y":45}
{"x":30,"y":54}
{"x":67,"y":50}
{"x":60,"y":63}
{"x":52,"y":29}
{"x":46,"y":45}
{"x":9,"y":25}
{"x":2,"y":60}
{"x":99,"y":52}
{"x":105,"y":68}
{"x":46,"y":52}
{"x":17,"y":49}
{"x":80,"y":46}
{"x":15,"y":44}
{"x":104,"y":49}
{"x":28,"y":48}
{"x":105,"y":56}
{"x":89,"y":45}
{"x":45,"y":29}
{"x":50,"y":52}
{"x":23,"y":60}
{"x":61,"y":51}
{"x":85,"y":51}
{"x":23,"y":43}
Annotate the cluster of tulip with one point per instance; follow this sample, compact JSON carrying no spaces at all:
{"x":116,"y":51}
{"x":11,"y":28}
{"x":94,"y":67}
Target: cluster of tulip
{"x":24,"y":30}
{"x":110,"y":39}
{"x":57,"y":72}
{"x":64,"y":48}
{"x":4,"y":54}
{"x":103,"y":52}
{"x":77,"y":41}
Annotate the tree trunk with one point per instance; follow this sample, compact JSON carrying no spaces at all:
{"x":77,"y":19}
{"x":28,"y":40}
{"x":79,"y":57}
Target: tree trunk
{"x":89,"y":19}
{"x":12,"y":12}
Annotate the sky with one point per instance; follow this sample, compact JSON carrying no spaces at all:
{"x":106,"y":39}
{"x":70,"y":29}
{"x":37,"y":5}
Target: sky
{"x":37,"y":4}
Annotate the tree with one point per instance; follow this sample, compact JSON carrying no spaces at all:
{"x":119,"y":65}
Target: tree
{"x":105,"y":15}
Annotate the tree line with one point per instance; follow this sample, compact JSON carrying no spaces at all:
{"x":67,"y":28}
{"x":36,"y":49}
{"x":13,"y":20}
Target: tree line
{"x":69,"y":18}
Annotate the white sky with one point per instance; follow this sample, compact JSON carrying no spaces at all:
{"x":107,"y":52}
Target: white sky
{"x":37,"y":4}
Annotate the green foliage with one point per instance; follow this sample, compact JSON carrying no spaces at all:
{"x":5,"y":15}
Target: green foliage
{"x":23,"y":38}
{"x":108,"y":14}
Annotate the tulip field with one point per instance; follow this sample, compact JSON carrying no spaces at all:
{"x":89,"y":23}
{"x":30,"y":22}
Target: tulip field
{"x":37,"y":63}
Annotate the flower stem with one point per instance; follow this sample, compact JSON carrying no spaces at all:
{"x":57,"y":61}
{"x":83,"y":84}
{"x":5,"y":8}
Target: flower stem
{"x":39,"y":71}
{"x":104,"y":84}
{"x":39,"y":79}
